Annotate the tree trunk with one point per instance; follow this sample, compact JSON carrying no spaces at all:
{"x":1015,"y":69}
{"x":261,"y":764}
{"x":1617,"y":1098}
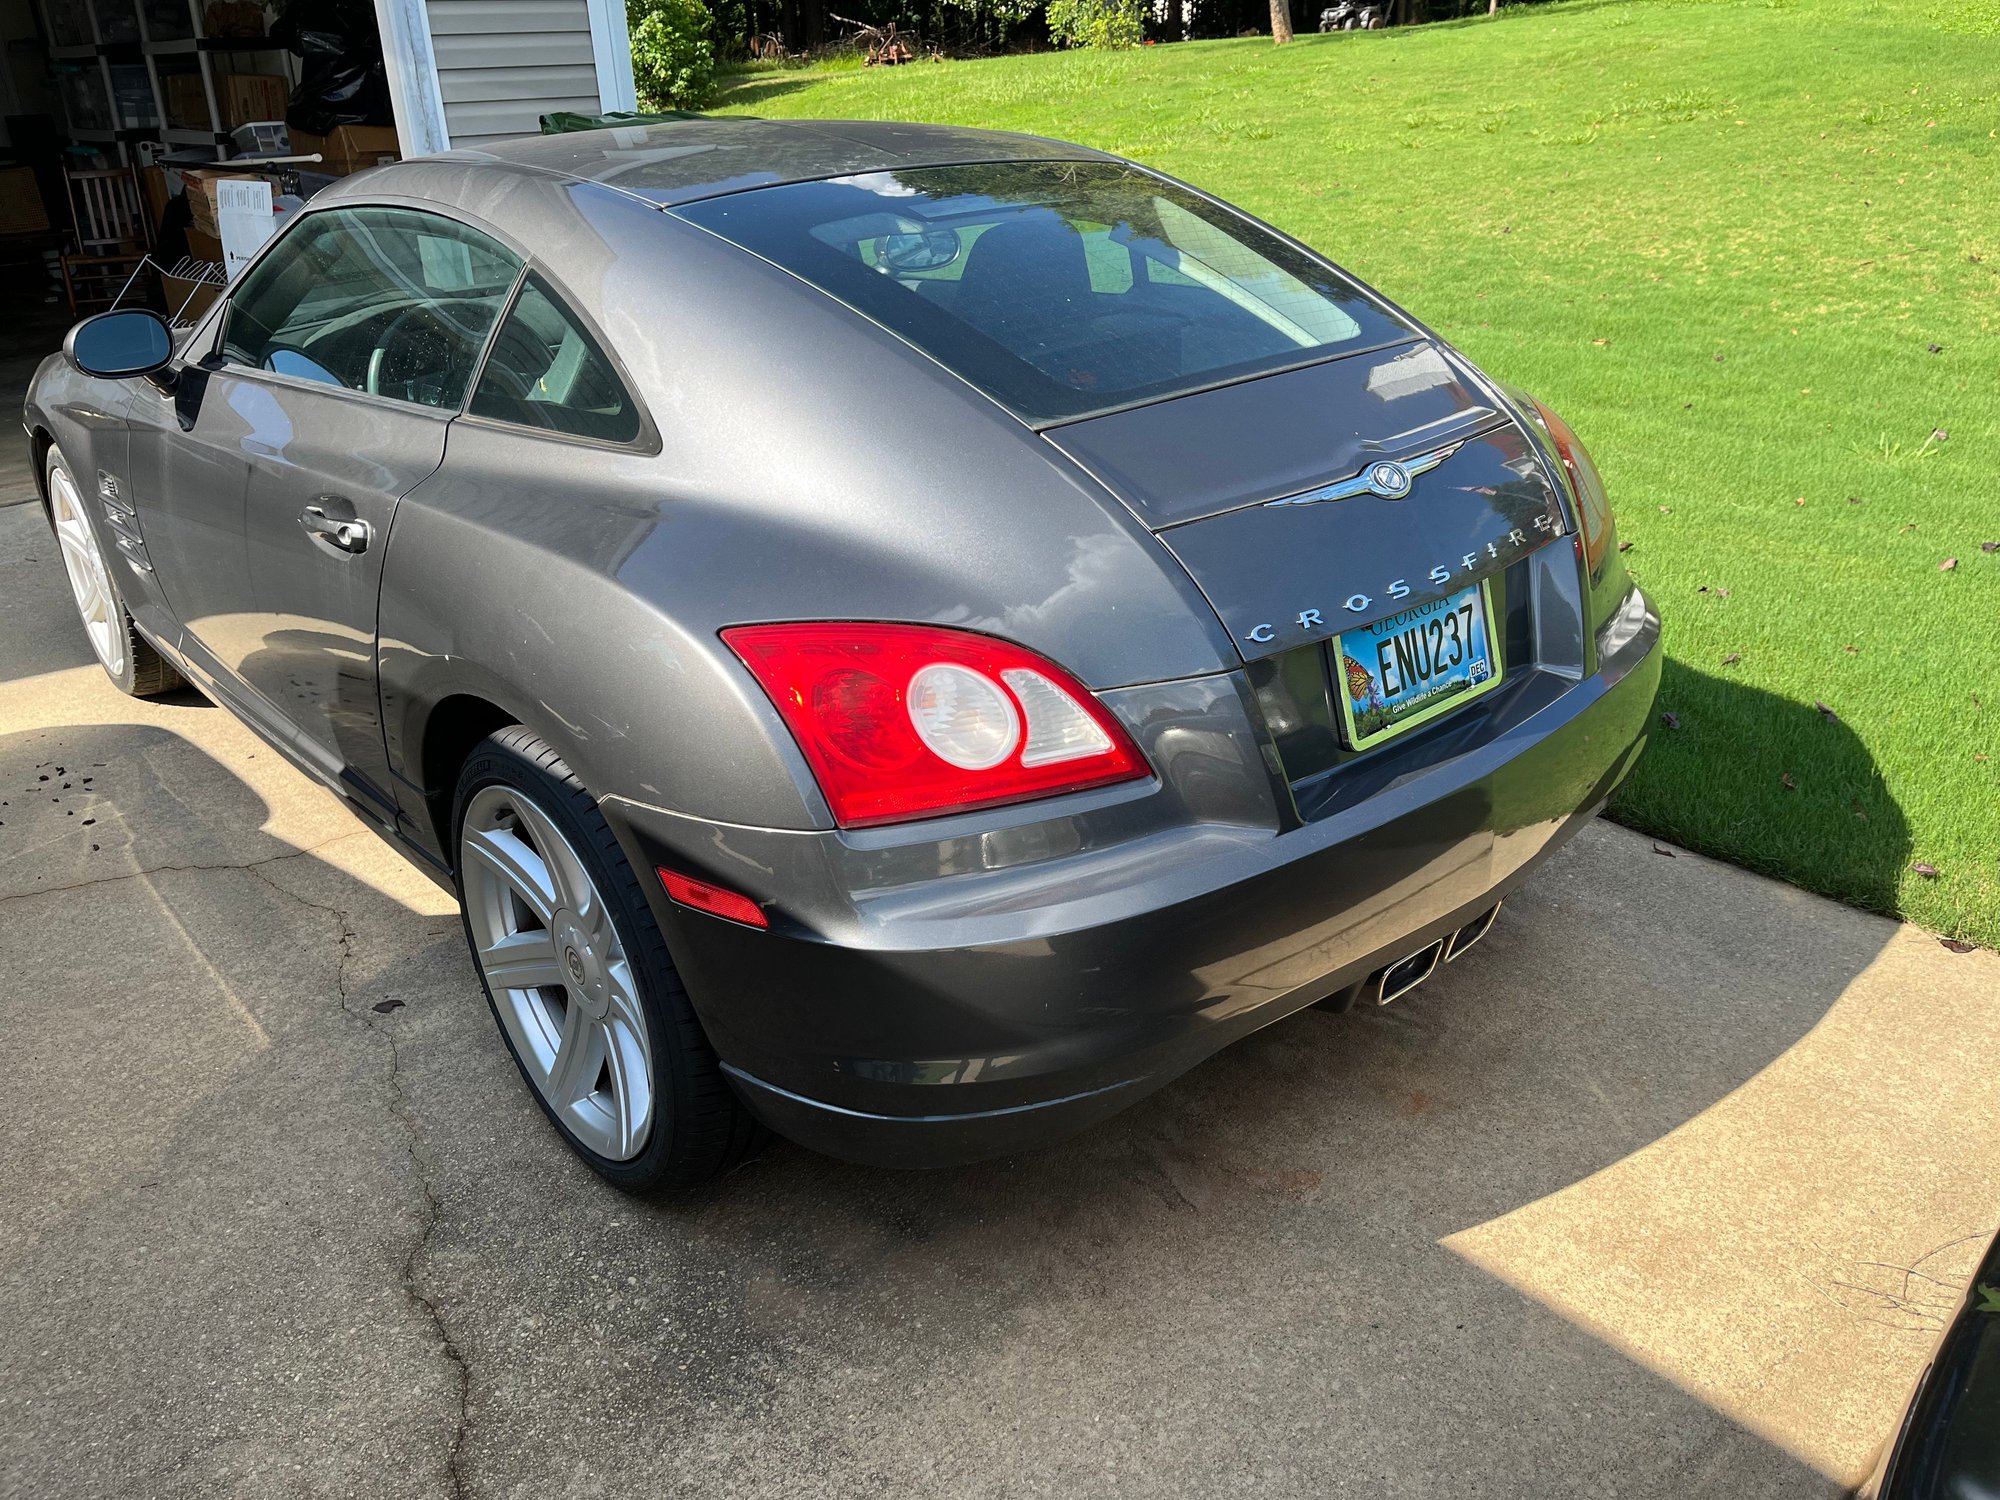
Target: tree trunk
{"x":1281,"y":21}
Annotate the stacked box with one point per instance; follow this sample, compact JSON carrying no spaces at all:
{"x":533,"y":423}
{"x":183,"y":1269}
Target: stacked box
{"x":351,"y":148}
{"x":200,"y":188}
{"x":187,"y":101}
{"x":21,"y":210}
{"x":244,"y":97}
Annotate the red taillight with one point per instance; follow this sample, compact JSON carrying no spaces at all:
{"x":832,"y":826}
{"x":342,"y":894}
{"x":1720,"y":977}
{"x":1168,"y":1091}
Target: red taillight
{"x":1585,"y":485}
{"x":703,"y":896}
{"x":913,"y":721}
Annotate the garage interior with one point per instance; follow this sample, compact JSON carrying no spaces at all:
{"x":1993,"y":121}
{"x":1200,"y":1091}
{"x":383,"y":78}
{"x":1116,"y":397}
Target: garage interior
{"x":119,"y":118}
{"x":126,"y":124}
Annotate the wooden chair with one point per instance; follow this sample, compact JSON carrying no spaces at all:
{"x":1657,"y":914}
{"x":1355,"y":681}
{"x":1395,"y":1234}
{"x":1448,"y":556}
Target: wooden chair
{"x":111,"y":237}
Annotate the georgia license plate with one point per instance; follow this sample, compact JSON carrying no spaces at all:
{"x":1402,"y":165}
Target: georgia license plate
{"x":1398,"y":672}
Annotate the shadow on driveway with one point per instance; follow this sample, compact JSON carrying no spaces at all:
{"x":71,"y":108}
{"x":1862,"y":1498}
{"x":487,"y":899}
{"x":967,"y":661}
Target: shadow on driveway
{"x":270,"y":1157}
{"x":1613,"y":1206}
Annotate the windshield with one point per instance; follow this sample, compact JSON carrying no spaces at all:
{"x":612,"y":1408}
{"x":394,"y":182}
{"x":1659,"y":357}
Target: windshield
{"x":1059,"y":288}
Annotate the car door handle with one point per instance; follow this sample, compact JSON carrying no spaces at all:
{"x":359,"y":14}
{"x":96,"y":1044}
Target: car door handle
{"x":348,"y":536}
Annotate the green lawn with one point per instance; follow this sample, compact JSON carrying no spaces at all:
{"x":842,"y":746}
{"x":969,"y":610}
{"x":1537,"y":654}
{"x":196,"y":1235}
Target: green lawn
{"x":1722,"y":238}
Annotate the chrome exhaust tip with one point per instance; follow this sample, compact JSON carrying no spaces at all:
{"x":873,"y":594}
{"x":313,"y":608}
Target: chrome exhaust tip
{"x":1405,"y":974}
{"x":1471,"y":932}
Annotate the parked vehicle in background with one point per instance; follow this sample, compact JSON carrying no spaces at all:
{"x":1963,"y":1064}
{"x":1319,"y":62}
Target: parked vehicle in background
{"x":1348,"y":15}
{"x":911,"y":636}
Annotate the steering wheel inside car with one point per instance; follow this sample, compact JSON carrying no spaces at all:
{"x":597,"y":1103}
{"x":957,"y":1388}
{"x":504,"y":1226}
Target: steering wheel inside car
{"x":415,"y":357}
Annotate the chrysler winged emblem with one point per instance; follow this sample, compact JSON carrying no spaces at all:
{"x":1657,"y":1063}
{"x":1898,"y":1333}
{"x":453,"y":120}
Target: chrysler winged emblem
{"x":1389,"y":478}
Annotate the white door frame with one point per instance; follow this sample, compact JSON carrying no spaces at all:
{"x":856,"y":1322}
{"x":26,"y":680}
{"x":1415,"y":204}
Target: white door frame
{"x":411,"y":64}
{"x":611,"y":47}
{"x":413,"y":77}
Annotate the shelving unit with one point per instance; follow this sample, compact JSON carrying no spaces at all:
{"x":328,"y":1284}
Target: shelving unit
{"x":105,"y":102}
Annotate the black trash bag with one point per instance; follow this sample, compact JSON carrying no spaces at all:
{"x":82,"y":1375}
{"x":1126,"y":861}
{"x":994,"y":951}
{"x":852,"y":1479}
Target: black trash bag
{"x":342,"y":80}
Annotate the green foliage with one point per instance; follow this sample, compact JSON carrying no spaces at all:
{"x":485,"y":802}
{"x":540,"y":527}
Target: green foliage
{"x":1000,"y":13}
{"x":730,"y":25}
{"x":1098,"y":23}
{"x":1751,"y":254}
{"x":673,"y":61}
{"x":975,"y":25}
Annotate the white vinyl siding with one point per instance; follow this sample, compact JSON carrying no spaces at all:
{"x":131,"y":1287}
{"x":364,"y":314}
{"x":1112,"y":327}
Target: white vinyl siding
{"x":503,"y":64}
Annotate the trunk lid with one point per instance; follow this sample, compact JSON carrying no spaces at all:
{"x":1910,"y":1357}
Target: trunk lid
{"x":1270,"y":494}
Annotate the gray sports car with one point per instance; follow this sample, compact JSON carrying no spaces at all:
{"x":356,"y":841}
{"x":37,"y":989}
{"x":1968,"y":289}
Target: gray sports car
{"x":910,"y":636}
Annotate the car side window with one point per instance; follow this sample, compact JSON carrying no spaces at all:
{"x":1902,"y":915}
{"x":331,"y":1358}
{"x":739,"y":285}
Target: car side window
{"x":389,"y":301}
{"x":545,"y":371}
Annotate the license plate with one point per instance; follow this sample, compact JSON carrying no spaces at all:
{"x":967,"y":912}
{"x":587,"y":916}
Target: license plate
{"x":1399,"y":672}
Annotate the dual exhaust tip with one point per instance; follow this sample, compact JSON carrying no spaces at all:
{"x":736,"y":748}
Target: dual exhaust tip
{"x":1395,"y":980}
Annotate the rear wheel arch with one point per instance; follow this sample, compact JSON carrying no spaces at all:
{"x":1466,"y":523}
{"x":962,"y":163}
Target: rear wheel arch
{"x":453,"y":729}
{"x":437,"y":738}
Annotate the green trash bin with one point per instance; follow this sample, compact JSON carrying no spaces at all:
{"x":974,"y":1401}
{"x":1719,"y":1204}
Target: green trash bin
{"x":563,"y":121}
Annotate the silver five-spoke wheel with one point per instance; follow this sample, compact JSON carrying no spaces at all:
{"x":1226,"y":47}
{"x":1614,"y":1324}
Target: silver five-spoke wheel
{"x":89,"y":579}
{"x":560,"y":978}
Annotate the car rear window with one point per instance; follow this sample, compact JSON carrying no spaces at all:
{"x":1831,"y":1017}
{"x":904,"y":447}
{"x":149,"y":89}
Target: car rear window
{"x":1059,"y":288}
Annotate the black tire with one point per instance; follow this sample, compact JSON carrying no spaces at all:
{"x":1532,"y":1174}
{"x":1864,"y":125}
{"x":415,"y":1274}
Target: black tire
{"x":141,"y":671}
{"x":700,"y":1128}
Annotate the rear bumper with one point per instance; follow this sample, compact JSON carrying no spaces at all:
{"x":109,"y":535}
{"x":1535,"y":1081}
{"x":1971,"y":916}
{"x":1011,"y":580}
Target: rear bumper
{"x":935,"y":1033}
{"x":953,"y":1136}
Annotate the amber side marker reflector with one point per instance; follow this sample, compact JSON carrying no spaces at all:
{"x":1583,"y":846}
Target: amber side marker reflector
{"x":713,"y":899}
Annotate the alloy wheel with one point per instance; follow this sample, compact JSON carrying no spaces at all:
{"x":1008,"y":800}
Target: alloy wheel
{"x":553,"y":960}
{"x":89,"y":579}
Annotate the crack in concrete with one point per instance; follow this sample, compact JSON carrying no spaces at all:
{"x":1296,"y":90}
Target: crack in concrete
{"x":252,"y":865}
{"x":422,"y":1169}
{"x":398,"y":1101}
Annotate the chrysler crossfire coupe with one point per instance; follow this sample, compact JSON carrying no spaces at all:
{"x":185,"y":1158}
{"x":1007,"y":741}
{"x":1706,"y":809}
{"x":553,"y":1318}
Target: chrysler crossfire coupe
{"x":908,"y":637}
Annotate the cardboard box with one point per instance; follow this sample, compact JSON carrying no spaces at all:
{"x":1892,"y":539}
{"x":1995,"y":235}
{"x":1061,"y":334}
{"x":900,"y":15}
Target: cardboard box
{"x":21,"y":210}
{"x":243,"y":97}
{"x":153,"y":189}
{"x":200,"y":187}
{"x":351,"y":148}
{"x":233,"y":18}
{"x":204,"y":244}
{"x":186,"y":100}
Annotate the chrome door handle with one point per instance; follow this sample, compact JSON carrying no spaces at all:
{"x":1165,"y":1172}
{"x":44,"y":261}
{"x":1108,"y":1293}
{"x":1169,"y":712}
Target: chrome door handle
{"x":348,"y":536}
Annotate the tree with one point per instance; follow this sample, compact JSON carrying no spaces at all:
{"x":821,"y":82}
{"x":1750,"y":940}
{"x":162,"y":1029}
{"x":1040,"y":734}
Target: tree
{"x":673,"y":62}
{"x":1281,"y":21}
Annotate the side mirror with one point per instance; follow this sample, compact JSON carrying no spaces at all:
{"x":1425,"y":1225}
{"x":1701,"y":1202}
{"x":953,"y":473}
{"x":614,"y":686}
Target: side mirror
{"x":120,"y":345}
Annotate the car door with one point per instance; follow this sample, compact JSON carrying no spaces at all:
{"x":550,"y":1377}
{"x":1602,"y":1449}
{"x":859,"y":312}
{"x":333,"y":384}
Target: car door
{"x":339,"y":361}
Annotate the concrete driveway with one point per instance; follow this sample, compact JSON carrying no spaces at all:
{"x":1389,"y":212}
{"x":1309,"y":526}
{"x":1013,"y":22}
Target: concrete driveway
{"x":1660,"y":1192}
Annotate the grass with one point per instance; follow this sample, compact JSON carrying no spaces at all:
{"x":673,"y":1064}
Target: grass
{"x":1722,"y":238}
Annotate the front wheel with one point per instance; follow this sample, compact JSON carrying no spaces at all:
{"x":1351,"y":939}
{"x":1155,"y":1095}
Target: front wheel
{"x":579,"y":978}
{"x":127,"y":657}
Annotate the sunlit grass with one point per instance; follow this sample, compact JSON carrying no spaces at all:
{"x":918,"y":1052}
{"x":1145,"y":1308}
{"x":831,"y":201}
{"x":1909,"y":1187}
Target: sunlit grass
{"x":1723,"y":239}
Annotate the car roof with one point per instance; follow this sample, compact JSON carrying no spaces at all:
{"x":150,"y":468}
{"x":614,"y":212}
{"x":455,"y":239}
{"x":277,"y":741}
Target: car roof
{"x":704,"y":156}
